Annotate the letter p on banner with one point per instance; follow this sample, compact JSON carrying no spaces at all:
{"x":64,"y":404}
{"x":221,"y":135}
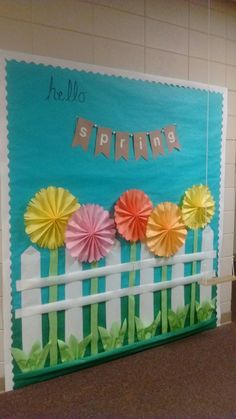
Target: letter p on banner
{"x":103,"y":141}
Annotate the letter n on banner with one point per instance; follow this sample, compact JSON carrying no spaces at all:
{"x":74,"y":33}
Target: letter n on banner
{"x":122,"y":145}
{"x":156,"y":143}
{"x":82,"y":133}
{"x":140,"y":145}
{"x":103,"y":141}
{"x":171,"y":138}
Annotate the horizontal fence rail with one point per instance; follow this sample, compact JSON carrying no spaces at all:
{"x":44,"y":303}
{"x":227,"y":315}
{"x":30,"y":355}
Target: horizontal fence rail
{"x":113,"y":280}
{"x":32,"y":283}
{"x":109,"y":295}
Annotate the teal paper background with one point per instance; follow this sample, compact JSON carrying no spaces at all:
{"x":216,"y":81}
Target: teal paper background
{"x":41,"y":133}
{"x":40,"y":153}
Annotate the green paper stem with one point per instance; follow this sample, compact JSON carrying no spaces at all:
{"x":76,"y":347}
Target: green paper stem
{"x":131,"y":299}
{"x":164,"y":310}
{"x":52,"y":317}
{"x":94,"y":315}
{"x":193,"y":286}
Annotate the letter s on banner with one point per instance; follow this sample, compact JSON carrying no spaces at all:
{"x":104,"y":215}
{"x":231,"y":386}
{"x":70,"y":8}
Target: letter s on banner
{"x":171,"y":138}
{"x":82,"y":133}
{"x":103,"y":141}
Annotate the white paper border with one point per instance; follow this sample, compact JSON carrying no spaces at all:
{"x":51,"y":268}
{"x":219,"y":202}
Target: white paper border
{"x":222,"y":196}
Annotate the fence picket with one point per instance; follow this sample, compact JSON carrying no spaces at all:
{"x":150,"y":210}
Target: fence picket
{"x":113,"y":282}
{"x":73,"y":316}
{"x":177,"y":293}
{"x":207,"y":264}
{"x":146,"y":302}
{"x":31,"y":326}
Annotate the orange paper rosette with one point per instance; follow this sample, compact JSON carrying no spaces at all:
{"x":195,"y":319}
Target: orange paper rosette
{"x":166,"y":231}
{"x":131,"y":214}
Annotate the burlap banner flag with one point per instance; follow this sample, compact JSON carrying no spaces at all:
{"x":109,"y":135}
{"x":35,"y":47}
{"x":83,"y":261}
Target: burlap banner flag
{"x":122,"y":145}
{"x":122,"y":140}
{"x":140,"y":145}
{"x":171,"y":138}
{"x":103,"y":141}
{"x":82,"y":133}
{"x":156,"y":143}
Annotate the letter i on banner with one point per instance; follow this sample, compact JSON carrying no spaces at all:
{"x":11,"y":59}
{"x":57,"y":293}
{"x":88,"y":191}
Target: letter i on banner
{"x":82,"y":133}
{"x":156,"y":143}
{"x":103,"y":141}
{"x":140,"y":145}
{"x":122,"y":145}
{"x":171,"y":138}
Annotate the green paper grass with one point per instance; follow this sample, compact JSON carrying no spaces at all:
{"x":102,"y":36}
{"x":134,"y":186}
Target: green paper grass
{"x":35,"y":360}
{"x":115,"y":338}
{"x":205,"y":310}
{"x":147,"y":332}
{"x":177,"y":319}
{"x":73,"y":349}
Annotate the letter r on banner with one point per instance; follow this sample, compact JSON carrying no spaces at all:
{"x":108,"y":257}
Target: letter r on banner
{"x":171,"y":138}
{"x":122,"y":145}
{"x":103,"y":141}
{"x":82,"y":133}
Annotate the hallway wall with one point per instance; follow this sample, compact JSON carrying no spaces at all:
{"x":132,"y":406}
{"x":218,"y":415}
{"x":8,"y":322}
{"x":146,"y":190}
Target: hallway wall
{"x":163,"y":37}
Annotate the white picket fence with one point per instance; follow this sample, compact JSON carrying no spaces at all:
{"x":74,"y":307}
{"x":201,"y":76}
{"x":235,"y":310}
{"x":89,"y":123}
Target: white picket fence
{"x":31,"y":298}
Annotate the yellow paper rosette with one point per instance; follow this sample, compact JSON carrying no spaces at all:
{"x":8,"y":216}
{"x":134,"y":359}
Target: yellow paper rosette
{"x":47,"y":214}
{"x":198,"y":207}
{"x":166,"y":231}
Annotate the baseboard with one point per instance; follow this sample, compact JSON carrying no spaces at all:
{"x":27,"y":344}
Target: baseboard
{"x":2,"y":385}
{"x":226,"y":318}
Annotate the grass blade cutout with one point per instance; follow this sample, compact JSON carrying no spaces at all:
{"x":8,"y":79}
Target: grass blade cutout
{"x":147,"y":332}
{"x":115,"y":338}
{"x":73,"y":349}
{"x":177,"y":319}
{"x":205,"y":310}
{"x":35,"y":360}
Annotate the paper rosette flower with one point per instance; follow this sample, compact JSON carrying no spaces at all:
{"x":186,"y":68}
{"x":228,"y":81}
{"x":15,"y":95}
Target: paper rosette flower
{"x":198,"y":207}
{"x":131,"y":214}
{"x":90,"y":233}
{"x":166,"y":231}
{"x":47,"y":215}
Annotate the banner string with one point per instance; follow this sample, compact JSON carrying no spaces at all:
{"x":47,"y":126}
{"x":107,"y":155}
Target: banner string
{"x":131,"y":134}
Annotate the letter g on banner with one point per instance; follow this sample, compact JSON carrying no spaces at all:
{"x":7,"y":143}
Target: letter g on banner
{"x":171,"y":138}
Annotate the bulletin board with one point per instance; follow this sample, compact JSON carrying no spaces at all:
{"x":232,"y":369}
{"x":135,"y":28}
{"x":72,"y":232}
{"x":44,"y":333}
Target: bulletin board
{"x":111,"y":212}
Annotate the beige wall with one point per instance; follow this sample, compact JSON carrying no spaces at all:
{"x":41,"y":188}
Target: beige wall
{"x":164,"y":37}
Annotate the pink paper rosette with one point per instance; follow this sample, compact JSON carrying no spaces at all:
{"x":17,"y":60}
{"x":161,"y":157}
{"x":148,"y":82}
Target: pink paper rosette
{"x":90,"y":233}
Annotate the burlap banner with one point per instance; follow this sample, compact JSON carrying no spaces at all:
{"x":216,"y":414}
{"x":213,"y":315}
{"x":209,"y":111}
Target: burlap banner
{"x":125,"y":142}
